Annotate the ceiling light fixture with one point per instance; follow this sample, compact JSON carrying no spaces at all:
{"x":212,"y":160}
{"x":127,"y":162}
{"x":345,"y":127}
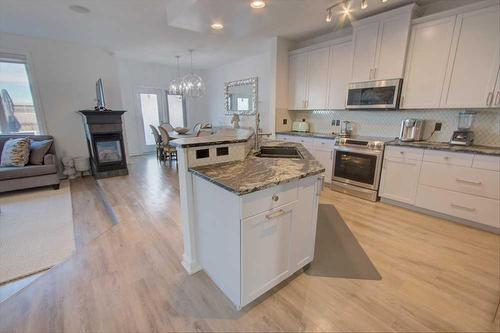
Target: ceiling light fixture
{"x":364,"y":4}
{"x":217,"y":26}
{"x":192,"y":84}
{"x":79,"y":9}
{"x":175,"y":86}
{"x":384,"y":1}
{"x":345,"y":9}
{"x":258,"y":4}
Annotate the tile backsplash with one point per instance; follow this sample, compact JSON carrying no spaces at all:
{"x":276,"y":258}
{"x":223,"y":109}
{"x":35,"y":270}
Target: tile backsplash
{"x":486,"y":124}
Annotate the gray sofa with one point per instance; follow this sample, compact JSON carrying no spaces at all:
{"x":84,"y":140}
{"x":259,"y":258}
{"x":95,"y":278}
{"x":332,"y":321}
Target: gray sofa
{"x":17,"y":178}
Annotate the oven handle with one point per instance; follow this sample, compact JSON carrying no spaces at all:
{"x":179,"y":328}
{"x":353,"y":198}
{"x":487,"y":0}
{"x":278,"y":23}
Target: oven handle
{"x":357,"y":150}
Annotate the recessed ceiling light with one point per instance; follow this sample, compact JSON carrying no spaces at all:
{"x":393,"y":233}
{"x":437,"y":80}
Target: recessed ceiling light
{"x":364,"y":4}
{"x":257,"y":4}
{"x":79,"y":9}
{"x":217,"y":26}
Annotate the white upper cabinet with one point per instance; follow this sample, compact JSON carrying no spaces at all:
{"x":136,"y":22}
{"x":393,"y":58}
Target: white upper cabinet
{"x":380,"y":45}
{"x":365,"y":49}
{"x":339,"y":74}
{"x":473,"y":67}
{"x":297,"y":81}
{"x":317,"y":79}
{"x":427,"y":59}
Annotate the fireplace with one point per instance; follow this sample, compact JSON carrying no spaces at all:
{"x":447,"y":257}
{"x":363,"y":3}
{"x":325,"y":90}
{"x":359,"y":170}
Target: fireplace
{"x":104,"y":133}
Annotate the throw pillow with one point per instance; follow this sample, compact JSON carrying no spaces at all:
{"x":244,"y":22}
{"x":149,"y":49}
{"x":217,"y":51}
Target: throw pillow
{"x":16,"y":152}
{"x":38,"y":149}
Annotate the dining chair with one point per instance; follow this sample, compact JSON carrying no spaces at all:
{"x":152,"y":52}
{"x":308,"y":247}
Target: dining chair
{"x":168,"y":150}
{"x":196,"y":129}
{"x":158,"y":143}
{"x":167,"y":127}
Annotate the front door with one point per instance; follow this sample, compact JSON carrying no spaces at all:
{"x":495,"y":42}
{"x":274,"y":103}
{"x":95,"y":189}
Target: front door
{"x":152,"y":103}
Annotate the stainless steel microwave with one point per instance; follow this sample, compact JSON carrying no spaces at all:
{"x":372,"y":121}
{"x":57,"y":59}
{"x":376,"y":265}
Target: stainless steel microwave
{"x":382,"y":95}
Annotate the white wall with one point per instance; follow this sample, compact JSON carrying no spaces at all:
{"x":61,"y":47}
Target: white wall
{"x":64,"y":75}
{"x":257,"y":65}
{"x":134,"y":75}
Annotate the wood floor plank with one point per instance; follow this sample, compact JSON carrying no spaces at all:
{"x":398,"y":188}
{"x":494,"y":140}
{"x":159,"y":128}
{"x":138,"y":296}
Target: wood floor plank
{"x":436,"y":275}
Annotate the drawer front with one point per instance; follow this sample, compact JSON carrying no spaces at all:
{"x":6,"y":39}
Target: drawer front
{"x":478,"y":182}
{"x":486,"y":162}
{"x":450,"y":158}
{"x":465,"y":206}
{"x":324,"y":144}
{"x":404,"y":153}
{"x":261,"y":201}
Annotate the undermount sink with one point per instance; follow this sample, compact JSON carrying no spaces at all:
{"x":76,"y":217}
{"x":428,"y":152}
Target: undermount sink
{"x":279,"y":152}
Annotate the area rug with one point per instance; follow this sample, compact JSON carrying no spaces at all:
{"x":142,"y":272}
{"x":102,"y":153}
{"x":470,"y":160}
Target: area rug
{"x":36,"y":231}
{"x":337,"y":252}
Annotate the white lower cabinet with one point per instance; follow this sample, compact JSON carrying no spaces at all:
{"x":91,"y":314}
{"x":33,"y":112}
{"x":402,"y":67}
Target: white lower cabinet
{"x":460,"y":185}
{"x":248,"y":244}
{"x":461,"y":205}
{"x":265,"y":246}
{"x":325,"y":158}
{"x":320,"y":149}
{"x":400,"y":173}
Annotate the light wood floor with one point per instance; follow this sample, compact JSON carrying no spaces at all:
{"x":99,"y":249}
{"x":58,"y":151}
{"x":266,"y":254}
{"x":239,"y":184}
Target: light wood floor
{"x":436,"y":275}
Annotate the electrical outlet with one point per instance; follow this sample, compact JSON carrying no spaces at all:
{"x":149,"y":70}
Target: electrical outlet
{"x":285,"y":121}
{"x":333,"y":122}
{"x":338,"y":122}
{"x":437,"y":127}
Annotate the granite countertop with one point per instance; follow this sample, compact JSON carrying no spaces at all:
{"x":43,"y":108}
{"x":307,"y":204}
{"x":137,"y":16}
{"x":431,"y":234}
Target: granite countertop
{"x":258,"y":173}
{"x":310,"y":134}
{"x":474,"y":149}
{"x":221,"y":136}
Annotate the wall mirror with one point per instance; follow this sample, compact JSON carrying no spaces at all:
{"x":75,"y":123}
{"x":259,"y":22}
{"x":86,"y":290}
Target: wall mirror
{"x":240,"y":97}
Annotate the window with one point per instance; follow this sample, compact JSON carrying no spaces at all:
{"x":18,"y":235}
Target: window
{"x":150,"y":115}
{"x":18,"y":113}
{"x":176,"y":112}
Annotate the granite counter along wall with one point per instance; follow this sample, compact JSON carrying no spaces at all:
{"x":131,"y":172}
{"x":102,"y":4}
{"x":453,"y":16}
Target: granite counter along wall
{"x":388,"y":123}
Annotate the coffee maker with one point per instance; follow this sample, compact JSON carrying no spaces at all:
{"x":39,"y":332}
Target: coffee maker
{"x":463,"y":136}
{"x":412,"y":130}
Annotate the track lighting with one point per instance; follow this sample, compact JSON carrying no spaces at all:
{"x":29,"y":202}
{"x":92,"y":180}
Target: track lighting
{"x":329,"y":16}
{"x":364,"y":4}
{"x":330,"y":11}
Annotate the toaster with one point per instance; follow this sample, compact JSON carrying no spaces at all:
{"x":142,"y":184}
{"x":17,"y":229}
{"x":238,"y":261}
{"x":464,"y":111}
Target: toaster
{"x":300,"y":126}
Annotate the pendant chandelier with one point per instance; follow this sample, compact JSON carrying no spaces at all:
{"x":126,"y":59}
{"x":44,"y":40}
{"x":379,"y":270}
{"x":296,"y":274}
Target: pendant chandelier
{"x":192,"y":84}
{"x":175,"y":86}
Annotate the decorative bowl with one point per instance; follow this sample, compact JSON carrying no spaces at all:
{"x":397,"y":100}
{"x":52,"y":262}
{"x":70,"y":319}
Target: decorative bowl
{"x":181,"y":130}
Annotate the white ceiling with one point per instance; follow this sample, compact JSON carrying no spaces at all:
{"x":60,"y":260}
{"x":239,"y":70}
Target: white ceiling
{"x":157,"y":30}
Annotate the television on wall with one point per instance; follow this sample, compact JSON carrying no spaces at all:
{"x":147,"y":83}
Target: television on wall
{"x":101,"y":104}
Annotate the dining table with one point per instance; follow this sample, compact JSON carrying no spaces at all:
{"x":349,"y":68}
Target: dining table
{"x":174,"y":135}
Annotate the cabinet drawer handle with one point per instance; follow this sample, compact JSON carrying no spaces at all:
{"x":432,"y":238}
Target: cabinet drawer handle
{"x":275,"y":197}
{"x":463,"y":207}
{"x":489,"y":99}
{"x":275,"y":214}
{"x":475,"y":182}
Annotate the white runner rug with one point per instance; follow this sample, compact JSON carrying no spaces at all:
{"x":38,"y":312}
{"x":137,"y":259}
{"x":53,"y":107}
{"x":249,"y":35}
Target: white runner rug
{"x":36,"y":231}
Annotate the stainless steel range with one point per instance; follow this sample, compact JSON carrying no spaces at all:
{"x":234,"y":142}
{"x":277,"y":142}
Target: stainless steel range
{"x":357,"y":165}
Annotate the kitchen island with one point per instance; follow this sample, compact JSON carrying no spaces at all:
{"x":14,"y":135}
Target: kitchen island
{"x":252,"y":220}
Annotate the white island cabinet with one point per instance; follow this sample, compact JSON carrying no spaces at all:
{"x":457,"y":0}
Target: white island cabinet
{"x":248,"y":244}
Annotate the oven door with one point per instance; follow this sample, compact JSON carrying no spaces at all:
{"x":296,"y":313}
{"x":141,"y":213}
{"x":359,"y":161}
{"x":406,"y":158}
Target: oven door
{"x":358,"y":167}
{"x":374,"y":95}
